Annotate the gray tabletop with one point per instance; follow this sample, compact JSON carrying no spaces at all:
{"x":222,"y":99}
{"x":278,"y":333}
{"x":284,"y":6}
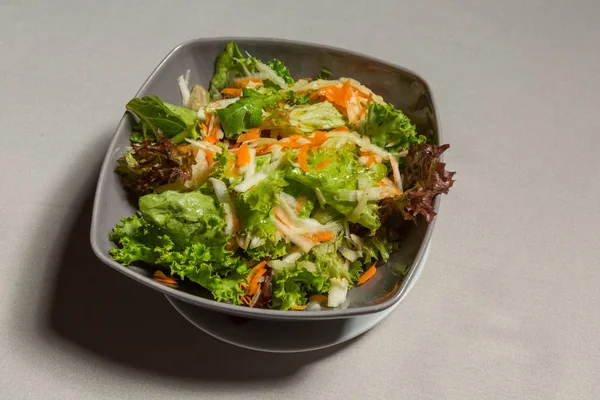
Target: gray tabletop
{"x":507,"y":306}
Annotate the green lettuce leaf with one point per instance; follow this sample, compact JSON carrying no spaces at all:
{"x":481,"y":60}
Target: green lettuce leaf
{"x":184,"y":232}
{"x":291,"y":286}
{"x":254,"y":208}
{"x":386,"y":125}
{"x":225,"y":66}
{"x":342,"y":173}
{"x":245,"y":113}
{"x":305,"y":118}
{"x":186,"y":217}
{"x":157,"y":117}
{"x":281,"y":70}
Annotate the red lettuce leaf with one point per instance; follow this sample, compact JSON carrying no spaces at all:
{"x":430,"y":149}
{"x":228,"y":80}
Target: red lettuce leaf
{"x":424,"y":178}
{"x":151,"y":164}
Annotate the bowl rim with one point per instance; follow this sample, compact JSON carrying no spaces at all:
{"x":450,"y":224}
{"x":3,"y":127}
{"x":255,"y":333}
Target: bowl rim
{"x":258,"y":313}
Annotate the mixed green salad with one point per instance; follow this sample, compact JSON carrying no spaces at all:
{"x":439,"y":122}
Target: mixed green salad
{"x":269,"y":191}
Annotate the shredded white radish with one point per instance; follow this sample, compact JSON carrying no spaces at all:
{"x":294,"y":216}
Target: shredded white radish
{"x":251,"y":181}
{"x":205,"y":146}
{"x":357,"y":241}
{"x":260,"y":142}
{"x":312,"y":306}
{"x":201,"y":114}
{"x":229,"y":225}
{"x":359,"y":209}
{"x":396,"y":172}
{"x":183,"y":83}
{"x":256,"y":241}
{"x":292,"y":257}
{"x":308,"y":265}
{"x":350,"y":255}
{"x":320,"y":197}
{"x":220,"y":190}
{"x":218,"y":104}
{"x":304,"y":245}
{"x":266,"y":73}
{"x":289,"y":199}
{"x":304,"y":85}
{"x":337,"y":292}
{"x":364,"y":90}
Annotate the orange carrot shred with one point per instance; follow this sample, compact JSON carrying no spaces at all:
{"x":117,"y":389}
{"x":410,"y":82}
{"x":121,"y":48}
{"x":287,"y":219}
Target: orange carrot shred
{"x":232,"y":92}
{"x":319,"y":138}
{"x":322,"y":165}
{"x":246,"y":301}
{"x":298,"y":308}
{"x":250,"y":135}
{"x":243,"y":156}
{"x":325,"y":236}
{"x":368,"y":274}
{"x":210,"y":156}
{"x":342,"y":128}
{"x":303,"y":156}
{"x":318,"y":298}
{"x":242,"y":83}
{"x":300,"y":204}
{"x":295,"y":137}
{"x":159,"y":276}
{"x":370,"y":160}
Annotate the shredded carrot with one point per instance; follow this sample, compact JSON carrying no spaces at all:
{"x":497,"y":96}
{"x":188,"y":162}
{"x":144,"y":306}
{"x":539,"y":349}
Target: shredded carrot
{"x":257,"y":272}
{"x":204,"y":128}
{"x":281,"y":217}
{"x":383,"y":298}
{"x":361,"y":113}
{"x":298,"y":308}
{"x":212,"y":137}
{"x":314,"y":96}
{"x":246,"y":301}
{"x":281,"y":103}
{"x":243,"y":285}
{"x":243,"y":156}
{"x":250,"y":135}
{"x":210,"y":156}
{"x":263,"y":150}
{"x":368,"y":274}
{"x":255,"y":269}
{"x":370,"y":160}
{"x":300,"y":204}
{"x":232,"y":92}
{"x":325,"y":236}
{"x":319,"y":138}
{"x":342,"y":128}
{"x":236,"y":223}
{"x":295,"y":137}
{"x":382,"y":184}
{"x":322,"y":165}
{"x":159,"y":276}
{"x":338,"y":96}
{"x":291,"y":144}
{"x":303,"y":156}
{"x":318,"y":298}
{"x":242,"y":83}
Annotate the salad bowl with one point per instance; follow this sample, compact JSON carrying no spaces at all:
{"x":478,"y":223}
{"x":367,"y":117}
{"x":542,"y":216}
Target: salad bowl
{"x":398,"y":86}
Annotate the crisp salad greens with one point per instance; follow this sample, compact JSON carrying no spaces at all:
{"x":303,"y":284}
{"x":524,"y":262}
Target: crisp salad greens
{"x":271,"y":192}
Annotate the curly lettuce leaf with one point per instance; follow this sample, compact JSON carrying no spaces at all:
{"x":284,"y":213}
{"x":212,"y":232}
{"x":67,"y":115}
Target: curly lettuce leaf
{"x":158,"y":118}
{"x":160,"y":237}
{"x":304,"y":118}
{"x":254,"y":208}
{"x":425,"y":177}
{"x":281,"y":70}
{"x":186,"y":217}
{"x":291,"y":286}
{"x":245,"y":113}
{"x":390,"y":128}
{"x":150,"y":165}
{"x":342,"y":173}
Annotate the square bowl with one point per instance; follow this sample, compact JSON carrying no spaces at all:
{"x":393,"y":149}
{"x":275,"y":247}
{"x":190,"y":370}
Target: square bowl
{"x":397,"y":85}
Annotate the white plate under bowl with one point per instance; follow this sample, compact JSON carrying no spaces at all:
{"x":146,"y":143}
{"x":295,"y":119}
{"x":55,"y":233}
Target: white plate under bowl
{"x":281,"y":336}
